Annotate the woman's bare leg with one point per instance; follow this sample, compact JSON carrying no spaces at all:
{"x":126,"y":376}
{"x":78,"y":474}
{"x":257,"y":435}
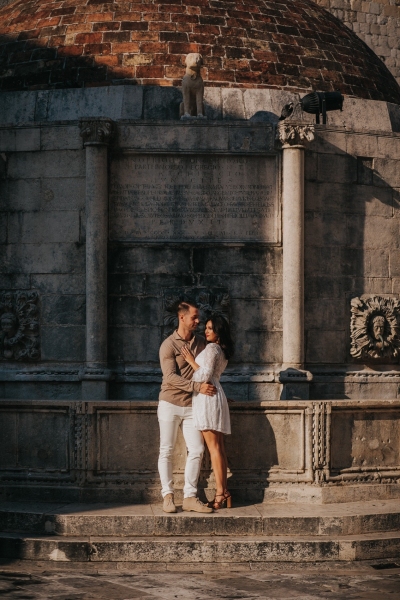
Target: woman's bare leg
{"x":222,"y":443}
{"x":217,"y":453}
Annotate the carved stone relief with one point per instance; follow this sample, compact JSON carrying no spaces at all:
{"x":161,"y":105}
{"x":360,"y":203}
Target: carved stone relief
{"x":321,"y":423}
{"x":19,"y":326}
{"x":375,"y":329}
{"x":209,"y":301}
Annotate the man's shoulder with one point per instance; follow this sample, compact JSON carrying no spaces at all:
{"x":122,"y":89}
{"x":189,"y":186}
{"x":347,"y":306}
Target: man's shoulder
{"x":167,"y":343}
{"x":169,"y":339}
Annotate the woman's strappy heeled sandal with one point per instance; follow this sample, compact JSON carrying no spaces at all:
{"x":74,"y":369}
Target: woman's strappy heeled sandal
{"x":225,"y":502}
{"x":228,"y":498}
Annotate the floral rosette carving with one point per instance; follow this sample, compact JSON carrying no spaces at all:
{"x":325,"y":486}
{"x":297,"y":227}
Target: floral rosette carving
{"x":375,"y":329}
{"x":209,"y":302}
{"x":19,"y":326}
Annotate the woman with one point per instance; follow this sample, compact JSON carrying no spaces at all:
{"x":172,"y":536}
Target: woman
{"x":211,"y":413}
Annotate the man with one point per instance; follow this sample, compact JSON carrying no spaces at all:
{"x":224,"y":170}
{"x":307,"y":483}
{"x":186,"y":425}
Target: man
{"x":175,"y":409}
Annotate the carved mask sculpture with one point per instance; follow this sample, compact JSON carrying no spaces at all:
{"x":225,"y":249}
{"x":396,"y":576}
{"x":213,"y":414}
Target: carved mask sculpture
{"x":19,"y":326}
{"x":375,"y":331}
{"x":9,"y":327}
{"x":8,"y":323}
{"x":378,"y":328}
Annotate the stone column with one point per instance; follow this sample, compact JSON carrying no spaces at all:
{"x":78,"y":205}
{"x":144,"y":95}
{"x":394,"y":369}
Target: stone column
{"x":96,"y":136}
{"x":293,"y":137}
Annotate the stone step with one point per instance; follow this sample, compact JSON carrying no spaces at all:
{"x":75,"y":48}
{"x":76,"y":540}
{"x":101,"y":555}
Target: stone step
{"x":265,"y":519}
{"x":200,"y":549}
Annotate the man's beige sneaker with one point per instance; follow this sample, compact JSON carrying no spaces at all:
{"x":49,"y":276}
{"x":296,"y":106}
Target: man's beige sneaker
{"x":168,"y":504}
{"x":195,"y":505}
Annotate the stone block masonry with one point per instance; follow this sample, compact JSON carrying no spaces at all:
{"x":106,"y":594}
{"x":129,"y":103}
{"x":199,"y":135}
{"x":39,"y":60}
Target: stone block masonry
{"x":42,"y":242}
{"x":351,"y":238}
{"x":376,"y":23}
{"x":351,"y":247}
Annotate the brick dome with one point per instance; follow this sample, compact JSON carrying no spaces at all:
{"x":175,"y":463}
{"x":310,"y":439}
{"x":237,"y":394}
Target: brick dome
{"x":283,"y":44}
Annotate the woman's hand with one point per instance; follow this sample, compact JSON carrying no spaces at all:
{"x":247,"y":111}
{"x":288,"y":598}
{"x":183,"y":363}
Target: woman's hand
{"x":188,"y":356}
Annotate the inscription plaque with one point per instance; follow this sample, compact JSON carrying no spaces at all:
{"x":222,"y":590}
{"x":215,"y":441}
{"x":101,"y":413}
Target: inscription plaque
{"x":194,"y":198}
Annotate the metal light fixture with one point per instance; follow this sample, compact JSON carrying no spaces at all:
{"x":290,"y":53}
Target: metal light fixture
{"x":315,"y":103}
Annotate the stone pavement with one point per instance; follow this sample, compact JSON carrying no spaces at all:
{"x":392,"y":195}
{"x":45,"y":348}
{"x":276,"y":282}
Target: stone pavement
{"x":315,"y":581}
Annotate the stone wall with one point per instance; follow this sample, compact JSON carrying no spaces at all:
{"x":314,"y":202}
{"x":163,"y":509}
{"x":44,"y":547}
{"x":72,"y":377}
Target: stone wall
{"x":376,"y":23}
{"x":351,"y":232}
{"x":42,"y":245}
{"x":351,"y":245}
{"x":309,"y":452}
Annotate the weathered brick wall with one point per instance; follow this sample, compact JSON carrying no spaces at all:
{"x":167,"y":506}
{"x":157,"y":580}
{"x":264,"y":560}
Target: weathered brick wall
{"x":291,"y":44}
{"x":376,"y":23}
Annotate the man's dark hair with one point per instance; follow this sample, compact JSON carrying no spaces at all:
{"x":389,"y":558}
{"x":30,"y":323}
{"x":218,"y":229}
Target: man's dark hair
{"x":183,"y":306}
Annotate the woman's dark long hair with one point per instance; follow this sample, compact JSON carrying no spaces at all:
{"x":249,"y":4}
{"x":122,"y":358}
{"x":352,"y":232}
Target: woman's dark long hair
{"x":221,"y":328}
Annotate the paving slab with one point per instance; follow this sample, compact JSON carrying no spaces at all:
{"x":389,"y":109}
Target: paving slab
{"x":302,"y":581}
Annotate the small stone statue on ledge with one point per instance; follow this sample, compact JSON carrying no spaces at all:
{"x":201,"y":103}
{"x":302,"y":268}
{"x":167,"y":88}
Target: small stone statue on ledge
{"x":192,"y":106}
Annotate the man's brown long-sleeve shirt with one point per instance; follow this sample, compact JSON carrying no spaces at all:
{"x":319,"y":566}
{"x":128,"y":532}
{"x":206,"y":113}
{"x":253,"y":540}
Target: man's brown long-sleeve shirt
{"x":177,"y":386}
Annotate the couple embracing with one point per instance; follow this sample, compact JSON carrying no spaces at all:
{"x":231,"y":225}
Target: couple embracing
{"x":191,"y":396}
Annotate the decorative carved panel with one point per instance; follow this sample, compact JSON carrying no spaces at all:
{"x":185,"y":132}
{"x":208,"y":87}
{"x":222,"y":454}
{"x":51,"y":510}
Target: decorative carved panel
{"x":375,"y":329}
{"x":19,"y":325}
{"x":209,"y":301}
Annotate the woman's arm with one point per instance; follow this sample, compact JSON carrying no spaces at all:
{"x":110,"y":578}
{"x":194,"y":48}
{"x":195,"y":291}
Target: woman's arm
{"x":188,"y":356}
{"x":204,"y":373}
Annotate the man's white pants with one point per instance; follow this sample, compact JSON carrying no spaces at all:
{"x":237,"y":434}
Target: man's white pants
{"x":170,"y":417}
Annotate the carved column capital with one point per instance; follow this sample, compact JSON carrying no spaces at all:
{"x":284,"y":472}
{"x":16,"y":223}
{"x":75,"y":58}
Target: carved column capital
{"x":96,"y":132}
{"x":294,"y":135}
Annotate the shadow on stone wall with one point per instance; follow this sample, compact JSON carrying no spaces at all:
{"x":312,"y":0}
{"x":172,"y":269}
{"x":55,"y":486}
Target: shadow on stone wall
{"x":351,"y":248}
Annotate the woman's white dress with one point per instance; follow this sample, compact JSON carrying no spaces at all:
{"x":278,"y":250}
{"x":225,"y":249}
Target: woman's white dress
{"x":211,"y":412}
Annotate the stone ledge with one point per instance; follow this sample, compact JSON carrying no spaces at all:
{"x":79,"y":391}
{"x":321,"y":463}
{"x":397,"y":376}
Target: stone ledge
{"x":265,"y":519}
{"x":201,"y":550}
{"x":124,"y":102}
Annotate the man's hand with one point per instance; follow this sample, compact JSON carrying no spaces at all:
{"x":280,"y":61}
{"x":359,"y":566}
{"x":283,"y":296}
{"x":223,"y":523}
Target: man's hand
{"x":208,"y":389}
